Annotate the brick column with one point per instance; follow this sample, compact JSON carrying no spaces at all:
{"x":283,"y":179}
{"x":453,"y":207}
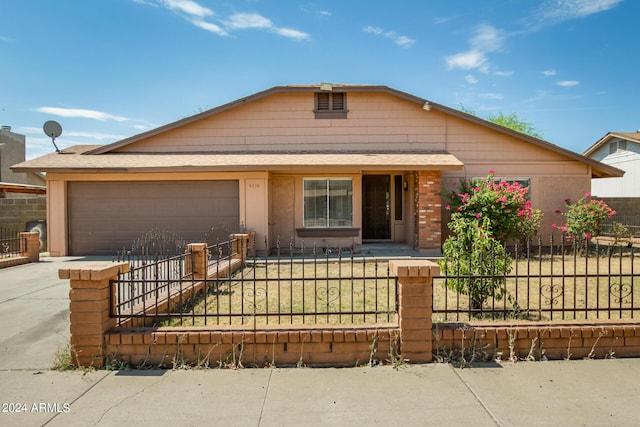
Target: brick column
{"x":428,"y":210}
{"x":240,"y":245}
{"x":198,"y":262}
{"x":415,"y":290}
{"x":89,"y":309}
{"x":32,"y":247}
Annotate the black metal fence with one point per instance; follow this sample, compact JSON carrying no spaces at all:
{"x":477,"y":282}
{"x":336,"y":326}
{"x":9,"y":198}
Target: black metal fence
{"x":303,"y":287}
{"x":11,"y":244}
{"x":559,"y":281}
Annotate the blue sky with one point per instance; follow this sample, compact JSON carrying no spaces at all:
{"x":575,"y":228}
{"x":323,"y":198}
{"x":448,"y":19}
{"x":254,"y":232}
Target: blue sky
{"x":109,"y":69}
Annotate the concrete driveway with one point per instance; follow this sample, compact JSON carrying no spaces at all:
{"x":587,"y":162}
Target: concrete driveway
{"x":34,"y":308}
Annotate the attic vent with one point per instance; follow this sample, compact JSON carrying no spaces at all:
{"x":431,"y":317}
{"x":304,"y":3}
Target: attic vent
{"x":324,"y":99}
{"x":331,"y":105}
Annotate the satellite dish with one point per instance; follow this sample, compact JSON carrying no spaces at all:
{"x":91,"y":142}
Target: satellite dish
{"x":53,"y":130}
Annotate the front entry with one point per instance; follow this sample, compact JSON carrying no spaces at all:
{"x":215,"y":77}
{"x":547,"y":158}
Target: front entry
{"x":376,"y":207}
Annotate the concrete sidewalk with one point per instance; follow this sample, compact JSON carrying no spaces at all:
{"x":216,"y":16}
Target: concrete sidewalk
{"x":569,"y":393}
{"x":34,"y":311}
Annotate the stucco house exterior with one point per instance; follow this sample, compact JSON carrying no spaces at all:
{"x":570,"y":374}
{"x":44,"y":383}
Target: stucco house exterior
{"x":335,"y":165}
{"x":621,"y":150}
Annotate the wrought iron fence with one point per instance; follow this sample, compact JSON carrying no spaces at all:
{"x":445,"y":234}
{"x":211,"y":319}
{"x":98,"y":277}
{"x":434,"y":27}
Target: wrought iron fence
{"x":11,"y":244}
{"x":561,"y":281}
{"x":303,"y":287}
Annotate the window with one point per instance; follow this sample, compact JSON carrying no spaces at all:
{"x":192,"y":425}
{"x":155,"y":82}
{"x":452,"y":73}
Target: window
{"x":331,"y":105}
{"x":523,"y":182}
{"x":398,"y":186}
{"x":328,"y":202}
{"x":616,"y":146}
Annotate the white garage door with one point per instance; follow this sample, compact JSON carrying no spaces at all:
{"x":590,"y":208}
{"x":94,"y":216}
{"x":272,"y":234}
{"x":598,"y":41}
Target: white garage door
{"x":105,"y":217}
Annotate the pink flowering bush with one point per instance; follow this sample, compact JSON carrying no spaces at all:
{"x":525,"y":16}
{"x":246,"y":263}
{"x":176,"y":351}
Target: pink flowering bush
{"x":584,"y":218}
{"x":504,"y":204}
{"x":484,"y":214}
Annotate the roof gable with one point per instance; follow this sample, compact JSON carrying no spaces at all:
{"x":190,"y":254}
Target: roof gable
{"x":419,"y":109}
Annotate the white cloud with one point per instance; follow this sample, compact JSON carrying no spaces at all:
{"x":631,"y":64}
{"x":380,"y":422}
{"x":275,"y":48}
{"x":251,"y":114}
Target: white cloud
{"x":468,"y":61}
{"x":402,"y":41}
{"x":471,"y":79}
{"x":208,"y":26}
{"x":291,"y":33}
{"x":568,"y":83}
{"x":187,"y":6}
{"x":205,"y":18}
{"x":563,"y":10}
{"x":492,"y":95}
{"x":503,"y":73}
{"x":243,"y":21}
{"x":548,"y":73}
{"x":486,"y":39}
{"x":81,"y":113}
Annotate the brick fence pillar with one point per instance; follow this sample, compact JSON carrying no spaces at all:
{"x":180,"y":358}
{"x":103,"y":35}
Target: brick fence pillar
{"x":89,"y":309}
{"x":240,"y":245}
{"x":428,"y":210}
{"x":198,"y":262}
{"x":415,"y":290}
{"x":32,"y":247}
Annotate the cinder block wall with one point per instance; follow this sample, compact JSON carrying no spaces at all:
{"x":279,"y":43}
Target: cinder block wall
{"x":16,"y":212}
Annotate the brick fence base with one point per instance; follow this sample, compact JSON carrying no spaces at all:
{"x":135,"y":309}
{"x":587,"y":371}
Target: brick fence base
{"x":535,"y":341}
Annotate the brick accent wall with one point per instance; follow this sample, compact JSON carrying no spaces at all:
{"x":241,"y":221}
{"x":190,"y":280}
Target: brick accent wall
{"x":284,"y":347}
{"x":31,"y":252}
{"x":537,"y":341}
{"x":428,"y":185}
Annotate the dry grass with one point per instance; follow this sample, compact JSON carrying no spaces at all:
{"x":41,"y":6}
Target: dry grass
{"x":563,"y":288}
{"x":348,"y":293}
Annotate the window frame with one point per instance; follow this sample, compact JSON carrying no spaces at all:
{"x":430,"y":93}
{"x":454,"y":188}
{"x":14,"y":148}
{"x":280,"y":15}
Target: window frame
{"x":328,"y":217}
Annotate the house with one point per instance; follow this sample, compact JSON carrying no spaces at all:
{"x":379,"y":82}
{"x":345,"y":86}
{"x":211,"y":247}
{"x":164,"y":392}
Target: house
{"x":22,"y":201}
{"x":621,"y":150}
{"x":332,"y":165}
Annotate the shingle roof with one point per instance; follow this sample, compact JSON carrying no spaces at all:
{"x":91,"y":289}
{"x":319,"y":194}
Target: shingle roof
{"x":76,"y":159}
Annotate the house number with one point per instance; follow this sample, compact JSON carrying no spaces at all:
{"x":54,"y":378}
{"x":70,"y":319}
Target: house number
{"x":254,"y":185}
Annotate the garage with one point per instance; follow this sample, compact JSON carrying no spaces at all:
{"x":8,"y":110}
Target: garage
{"x":105,"y":217}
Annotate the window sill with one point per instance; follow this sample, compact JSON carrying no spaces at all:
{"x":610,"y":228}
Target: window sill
{"x":330,"y":114}
{"x":328,"y":232}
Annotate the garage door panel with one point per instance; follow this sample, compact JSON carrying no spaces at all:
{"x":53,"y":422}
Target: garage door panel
{"x":106,"y":216}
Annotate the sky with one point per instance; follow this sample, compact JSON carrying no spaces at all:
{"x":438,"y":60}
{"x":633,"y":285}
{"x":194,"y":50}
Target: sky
{"x":109,"y":69}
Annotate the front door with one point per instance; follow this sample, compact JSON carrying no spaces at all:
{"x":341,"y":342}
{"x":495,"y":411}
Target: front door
{"x":376,"y":207}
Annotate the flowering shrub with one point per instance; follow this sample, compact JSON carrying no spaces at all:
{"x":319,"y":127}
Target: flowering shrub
{"x":584,"y":218}
{"x":484,"y":213}
{"x":504,"y":204}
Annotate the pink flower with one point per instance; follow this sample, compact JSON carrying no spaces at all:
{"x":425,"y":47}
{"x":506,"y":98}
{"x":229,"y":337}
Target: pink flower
{"x":554,"y":226}
{"x":491,"y":171}
{"x":587,"y":194}
{"x":478,"y":215}
{"x":447,"y":207}
{"x":588,"y":235}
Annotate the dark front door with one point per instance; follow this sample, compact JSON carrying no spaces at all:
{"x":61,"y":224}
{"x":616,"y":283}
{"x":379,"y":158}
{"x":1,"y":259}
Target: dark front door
{"x":376,"y":207}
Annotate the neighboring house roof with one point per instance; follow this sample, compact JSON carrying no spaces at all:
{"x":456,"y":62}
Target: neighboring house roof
{"x":87,"y":158}
{"x":630,"y":136}
{"x":7,"y":187}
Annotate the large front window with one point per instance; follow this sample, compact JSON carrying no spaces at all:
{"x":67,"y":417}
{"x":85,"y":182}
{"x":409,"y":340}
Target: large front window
{"x":328,"y":202}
